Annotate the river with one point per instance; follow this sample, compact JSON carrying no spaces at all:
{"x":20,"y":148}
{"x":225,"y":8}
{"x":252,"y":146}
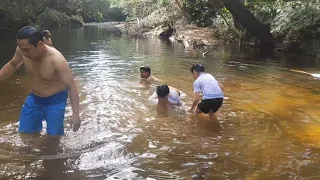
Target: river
{"x":269,"y":124}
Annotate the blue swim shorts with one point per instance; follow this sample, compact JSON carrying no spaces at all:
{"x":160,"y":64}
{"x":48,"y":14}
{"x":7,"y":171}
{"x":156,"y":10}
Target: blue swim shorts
{"x":36,"y":109}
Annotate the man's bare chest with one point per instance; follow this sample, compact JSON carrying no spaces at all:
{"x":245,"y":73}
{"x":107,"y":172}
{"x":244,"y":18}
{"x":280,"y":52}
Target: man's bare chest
{"x":40,"y":70}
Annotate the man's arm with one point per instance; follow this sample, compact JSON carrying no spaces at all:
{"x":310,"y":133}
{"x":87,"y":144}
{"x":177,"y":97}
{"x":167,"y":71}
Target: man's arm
{"x":221,"y":86}
{"x":157,"y":80}
{"x":153,"y":79}
{"x":196,"y":100}
{"x":62,"y":68}
{"x":12,"y":65}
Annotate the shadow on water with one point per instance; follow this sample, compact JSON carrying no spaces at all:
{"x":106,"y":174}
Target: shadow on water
{"x":268,"y":125}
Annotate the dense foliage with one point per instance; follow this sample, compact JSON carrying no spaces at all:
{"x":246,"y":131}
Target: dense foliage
{"x":202,"y":12}
{"x":89,"y":10}
{"x":139,"y":8}
{"x":55,"y":13}
{"x":293,"y":23}
{"x":16,"y":13}
{"x":52,"y":18}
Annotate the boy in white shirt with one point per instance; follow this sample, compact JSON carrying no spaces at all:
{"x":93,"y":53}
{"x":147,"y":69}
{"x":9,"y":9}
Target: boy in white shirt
{"x":211,"y":90}
{"x":166,"y":95}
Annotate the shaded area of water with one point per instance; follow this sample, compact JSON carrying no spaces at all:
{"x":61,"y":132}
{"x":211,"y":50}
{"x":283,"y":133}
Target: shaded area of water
{"x":269,"y":123}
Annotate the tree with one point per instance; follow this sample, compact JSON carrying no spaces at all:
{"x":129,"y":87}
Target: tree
{"x":246,"y":19}
{"x":14,"y":14}
{"x":89,"y":10}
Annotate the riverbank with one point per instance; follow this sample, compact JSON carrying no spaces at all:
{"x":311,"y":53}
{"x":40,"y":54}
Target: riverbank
{"x":293,"y":26}
{"x":190,"y":36}
{"x":180,"y":32}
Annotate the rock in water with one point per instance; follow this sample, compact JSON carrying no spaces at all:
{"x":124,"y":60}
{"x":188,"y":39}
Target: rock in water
{"x":166,"y":33}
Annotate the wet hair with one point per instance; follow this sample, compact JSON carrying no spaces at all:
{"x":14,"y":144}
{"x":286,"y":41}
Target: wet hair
{"x":162,"y":91}
{"x":197,"y":68}
{"x":32,"y":34}
{"x":46,"y":34}
{"x":145,"y":69}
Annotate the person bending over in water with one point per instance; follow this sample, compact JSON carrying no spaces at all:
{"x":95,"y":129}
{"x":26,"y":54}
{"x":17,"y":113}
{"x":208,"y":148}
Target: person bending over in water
{"x":145,"y":73}
{"x":167,"y":95}
{"x":211,"y":90}
{"x":51,"y":81}
{"x":47,"y":37}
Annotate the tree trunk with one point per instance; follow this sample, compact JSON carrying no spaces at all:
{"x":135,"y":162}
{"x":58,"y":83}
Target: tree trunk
{"x":42,"y":8}
{"x":182,"y":10}
{"x":34,"y":17}
{"x":244,"y":17}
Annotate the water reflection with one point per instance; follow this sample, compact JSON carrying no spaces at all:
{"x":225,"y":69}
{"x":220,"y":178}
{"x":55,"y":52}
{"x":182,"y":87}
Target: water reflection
{"x":268,"y":125}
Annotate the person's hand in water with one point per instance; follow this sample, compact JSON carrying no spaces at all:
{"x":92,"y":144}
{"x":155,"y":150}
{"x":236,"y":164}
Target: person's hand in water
{"x":75,"y":122}
{"x":196,"y":100}
{"x":191,"y":111}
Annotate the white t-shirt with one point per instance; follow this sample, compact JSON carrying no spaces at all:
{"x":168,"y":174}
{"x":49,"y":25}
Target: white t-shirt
{"x":173,"y":97}
{"x":208,"y":86}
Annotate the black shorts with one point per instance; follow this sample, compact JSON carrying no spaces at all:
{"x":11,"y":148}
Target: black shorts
{"x":210,"y":104}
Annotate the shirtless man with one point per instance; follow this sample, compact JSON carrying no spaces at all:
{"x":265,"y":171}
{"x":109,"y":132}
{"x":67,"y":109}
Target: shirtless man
{"x":166,"y":95}
{"x":146,"y":75}
{"x":51,"y":80}
{"x":47,"y":37}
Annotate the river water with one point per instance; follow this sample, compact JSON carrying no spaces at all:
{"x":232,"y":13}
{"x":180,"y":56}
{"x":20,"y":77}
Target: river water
{"x":269,"y":124}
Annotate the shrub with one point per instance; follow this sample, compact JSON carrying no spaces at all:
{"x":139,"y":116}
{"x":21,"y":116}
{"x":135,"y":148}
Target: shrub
{"x":52,"y":19}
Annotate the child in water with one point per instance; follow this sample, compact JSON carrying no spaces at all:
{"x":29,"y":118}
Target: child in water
{"x":166,"y":95}
{"x":47,"y":37}
{"x":211,"y":90}
{"x":145,"y":73}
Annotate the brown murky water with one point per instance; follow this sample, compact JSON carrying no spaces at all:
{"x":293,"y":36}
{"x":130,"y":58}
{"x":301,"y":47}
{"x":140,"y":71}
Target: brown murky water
{"x":269,"y":123}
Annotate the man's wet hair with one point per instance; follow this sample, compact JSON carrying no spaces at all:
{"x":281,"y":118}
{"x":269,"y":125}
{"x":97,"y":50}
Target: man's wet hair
{"x":162,"y":90}
{"x":145,"y":69}
{"x":197,"y":68}
{"x":32,"y":34}
{"x":46,"y":34}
